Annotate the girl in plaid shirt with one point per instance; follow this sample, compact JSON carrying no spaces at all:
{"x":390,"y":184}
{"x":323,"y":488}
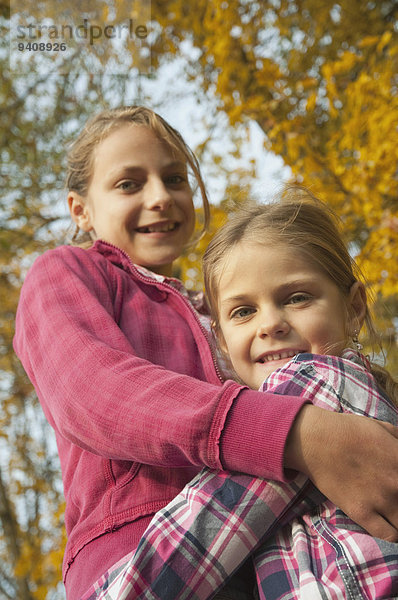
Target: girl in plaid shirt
{"x":286,"y":299}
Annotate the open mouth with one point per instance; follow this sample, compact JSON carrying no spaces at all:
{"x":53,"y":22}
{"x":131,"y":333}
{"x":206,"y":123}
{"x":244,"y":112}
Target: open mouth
{"x":278,"y":356}
{"x":159,"y":228}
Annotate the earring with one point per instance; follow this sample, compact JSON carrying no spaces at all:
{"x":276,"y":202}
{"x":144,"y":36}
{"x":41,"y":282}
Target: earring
{"x":356,"y":342}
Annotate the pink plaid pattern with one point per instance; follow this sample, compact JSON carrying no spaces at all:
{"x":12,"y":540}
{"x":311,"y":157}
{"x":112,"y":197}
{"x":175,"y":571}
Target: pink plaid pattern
{"x":302,"y":546}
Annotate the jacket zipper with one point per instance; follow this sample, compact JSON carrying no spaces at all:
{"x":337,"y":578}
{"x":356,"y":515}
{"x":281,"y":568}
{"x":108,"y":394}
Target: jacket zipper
{"x":176,"y":293}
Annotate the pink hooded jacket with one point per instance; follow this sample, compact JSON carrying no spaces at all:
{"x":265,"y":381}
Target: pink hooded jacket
{"x":126,"y":377}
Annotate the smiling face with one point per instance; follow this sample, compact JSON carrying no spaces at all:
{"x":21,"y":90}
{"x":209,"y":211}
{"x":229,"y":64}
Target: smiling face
{"x":139,"y":198}
{"x":273,"y":303}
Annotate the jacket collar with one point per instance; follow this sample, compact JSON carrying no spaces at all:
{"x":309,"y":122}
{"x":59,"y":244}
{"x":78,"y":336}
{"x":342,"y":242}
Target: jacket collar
{"x":115,"y":255}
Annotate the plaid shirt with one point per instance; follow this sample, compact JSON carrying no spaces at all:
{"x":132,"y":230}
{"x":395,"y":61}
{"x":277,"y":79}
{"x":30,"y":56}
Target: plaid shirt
{"x":302,"y":546}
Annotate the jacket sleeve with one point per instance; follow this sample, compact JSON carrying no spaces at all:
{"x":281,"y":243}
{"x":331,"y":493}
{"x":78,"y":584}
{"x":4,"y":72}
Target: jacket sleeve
{"x":100,"y":396}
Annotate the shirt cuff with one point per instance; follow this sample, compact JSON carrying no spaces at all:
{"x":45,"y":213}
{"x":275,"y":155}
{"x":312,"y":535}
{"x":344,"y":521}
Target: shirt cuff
{"x":255,"y":433}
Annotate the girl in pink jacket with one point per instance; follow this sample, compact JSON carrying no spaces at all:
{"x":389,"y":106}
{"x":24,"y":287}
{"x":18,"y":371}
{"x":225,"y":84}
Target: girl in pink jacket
{"x":120,"y":357}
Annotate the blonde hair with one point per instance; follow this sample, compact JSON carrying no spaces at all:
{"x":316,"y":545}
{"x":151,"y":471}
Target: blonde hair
{"x":80,"y":157}
{"x":301,"y":221}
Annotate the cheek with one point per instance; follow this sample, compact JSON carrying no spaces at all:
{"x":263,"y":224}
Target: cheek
{"x":338,"y":322}
{"x":327,"y":332}
{"x":130,"y":218}
{"x":237,"y":346}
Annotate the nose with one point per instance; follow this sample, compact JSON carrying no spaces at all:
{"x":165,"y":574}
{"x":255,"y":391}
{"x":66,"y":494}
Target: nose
{"x":273,"y":324}
{"x":157,"y":195}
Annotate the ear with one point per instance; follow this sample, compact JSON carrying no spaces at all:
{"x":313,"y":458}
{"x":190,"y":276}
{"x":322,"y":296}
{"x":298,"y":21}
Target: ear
{"x":79,"y":211}
{"x":357,"y":306}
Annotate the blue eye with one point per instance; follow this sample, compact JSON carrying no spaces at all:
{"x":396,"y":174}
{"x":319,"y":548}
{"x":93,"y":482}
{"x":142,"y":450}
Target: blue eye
{"x":242,"y":312}
{"x":125,"y":185}
{"x":176,"y":179}
{"x":298,"y":298}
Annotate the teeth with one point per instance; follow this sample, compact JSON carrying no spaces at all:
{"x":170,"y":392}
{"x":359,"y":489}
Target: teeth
{"x":161,"y":227}
{"x":278,"y":356}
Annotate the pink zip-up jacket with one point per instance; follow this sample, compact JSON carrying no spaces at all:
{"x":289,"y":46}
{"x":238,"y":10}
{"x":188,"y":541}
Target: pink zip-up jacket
{"x":126,"y":377}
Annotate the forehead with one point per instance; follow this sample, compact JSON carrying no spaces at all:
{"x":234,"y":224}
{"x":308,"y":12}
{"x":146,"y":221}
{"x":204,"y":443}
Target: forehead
{"x":131,"y":146}
{"x":247,"y":256}
{"x":249,"y":265}
{"x":131,"y":137}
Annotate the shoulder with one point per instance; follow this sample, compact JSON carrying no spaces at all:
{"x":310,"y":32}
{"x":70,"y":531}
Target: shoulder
{"x":65,"y":266}
{"x":72,"y":259}
{"x":330,"y":367}
{"x":334,"y":383}
{"x":323,"y":367}
{"x":339,"y":371}
{"x":68,"y":255}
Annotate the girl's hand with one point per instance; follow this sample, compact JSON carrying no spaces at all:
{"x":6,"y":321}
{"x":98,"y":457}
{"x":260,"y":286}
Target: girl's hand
{"x":353,"y":461}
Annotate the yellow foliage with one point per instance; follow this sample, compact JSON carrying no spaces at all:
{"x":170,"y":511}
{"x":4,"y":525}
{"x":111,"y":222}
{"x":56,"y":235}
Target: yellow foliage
{"x":385,"y":40}
{"x":311,"y":102}
{"x":369,"y":40}
{"x":323,"y":89}
{"x":345,"y":63}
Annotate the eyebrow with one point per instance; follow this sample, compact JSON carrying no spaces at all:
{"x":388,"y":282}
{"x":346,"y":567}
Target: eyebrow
{"x":304,"y":280}
{"x":284,"y":287}
{"x":176,"y":164}
{"x":234,"y":299}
